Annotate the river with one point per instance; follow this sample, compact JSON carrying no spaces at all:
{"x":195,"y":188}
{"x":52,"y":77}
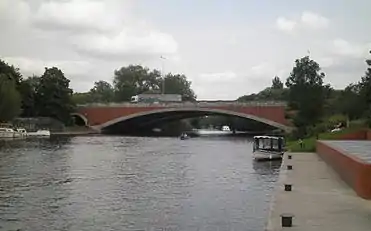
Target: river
{"x":133,"y":183}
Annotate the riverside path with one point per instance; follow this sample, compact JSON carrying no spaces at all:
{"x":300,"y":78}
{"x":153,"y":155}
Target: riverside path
{"x":319,"y":199}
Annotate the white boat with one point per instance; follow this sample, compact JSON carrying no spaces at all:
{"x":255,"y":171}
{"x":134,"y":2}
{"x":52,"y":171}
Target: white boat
{"x":40,"y":132}
{"x":6,"y":133}
{"x":156,"y":130}
{"x":268,"y":148}
{"x":20,"y":132}
{"x":210,"y":132}
{"x":184,"y":136}
{"x":226,"y":128}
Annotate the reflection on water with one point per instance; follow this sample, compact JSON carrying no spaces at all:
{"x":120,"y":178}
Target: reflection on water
{"x":133,"y":183}
{"x":267,"y":168}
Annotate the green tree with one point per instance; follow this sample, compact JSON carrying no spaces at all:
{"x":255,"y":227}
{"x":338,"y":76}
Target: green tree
{"x":275,"y":92}
{"x":349,"y":102}
{"x":277,"y":83}
{"x":267,"y":94}
{"x":306,"y":91}
{"x":53,"y":95}
{"x":178,"y":84}
{"x":81,"y":98}
{"x":133,"y":80}
{"x":365,"y":89}
{"x":102,"y":92}
{"x":14,"y":72}
{"x":27,"y":90}
{"x":247,"y":98}
{"x":21,"y":87}
{"x":10,"y":100}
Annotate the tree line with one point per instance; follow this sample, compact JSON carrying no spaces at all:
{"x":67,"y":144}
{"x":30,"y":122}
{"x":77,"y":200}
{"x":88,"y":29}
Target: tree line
{"x":315,"y":107}
{"x":311,"y":102}
{"x":134,"y":80}
{"x":50,"y":95}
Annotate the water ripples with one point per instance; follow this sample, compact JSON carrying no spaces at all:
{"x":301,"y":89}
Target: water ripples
{"x":133,"y":183}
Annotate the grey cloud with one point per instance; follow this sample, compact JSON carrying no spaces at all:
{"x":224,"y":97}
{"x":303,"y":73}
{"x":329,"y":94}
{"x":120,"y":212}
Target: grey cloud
{"x":345,"y":71}
{"x":261,"y":52}
{"x":97,"y":56}
{"x":71,"y":29}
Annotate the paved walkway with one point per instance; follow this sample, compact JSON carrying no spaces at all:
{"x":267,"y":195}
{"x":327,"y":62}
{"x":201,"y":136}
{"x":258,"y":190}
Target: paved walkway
{"x":319,"y":199}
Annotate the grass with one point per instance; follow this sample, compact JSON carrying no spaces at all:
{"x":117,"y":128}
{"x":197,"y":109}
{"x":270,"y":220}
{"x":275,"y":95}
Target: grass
{"x":309,"y":144}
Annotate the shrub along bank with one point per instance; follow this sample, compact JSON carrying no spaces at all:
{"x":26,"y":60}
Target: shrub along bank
{"x":309,"y":144}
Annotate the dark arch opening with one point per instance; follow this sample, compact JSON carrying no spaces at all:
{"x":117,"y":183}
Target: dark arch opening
{"x":79,"y":120}
{"x":144,"y":124}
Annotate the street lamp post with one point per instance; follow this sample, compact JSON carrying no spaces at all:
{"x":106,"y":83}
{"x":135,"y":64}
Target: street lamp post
{"x":163,"y":74}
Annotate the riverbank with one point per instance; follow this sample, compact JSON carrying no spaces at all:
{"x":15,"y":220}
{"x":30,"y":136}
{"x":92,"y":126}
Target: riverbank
{"x":75,"y":131}
{"x":319,"y":199}
{"x":309,"y":144}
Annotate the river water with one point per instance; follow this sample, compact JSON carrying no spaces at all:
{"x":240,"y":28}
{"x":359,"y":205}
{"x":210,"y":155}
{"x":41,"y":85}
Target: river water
{"x":133,"y":183}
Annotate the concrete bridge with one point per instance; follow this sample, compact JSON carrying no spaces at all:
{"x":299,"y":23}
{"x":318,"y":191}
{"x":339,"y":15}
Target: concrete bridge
{"x":106,"y":116}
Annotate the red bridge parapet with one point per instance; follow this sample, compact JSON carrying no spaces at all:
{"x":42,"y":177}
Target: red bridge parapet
{"x":97,"y":115}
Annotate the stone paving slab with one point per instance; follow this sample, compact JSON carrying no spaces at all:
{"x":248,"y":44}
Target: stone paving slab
{"x":319,"y":199}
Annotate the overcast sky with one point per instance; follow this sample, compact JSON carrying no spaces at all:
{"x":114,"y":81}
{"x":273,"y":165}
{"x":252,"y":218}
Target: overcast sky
{"x":227,"y":48}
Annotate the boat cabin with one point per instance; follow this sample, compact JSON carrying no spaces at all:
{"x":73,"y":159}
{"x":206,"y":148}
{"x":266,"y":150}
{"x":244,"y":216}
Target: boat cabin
{"x":269,"y":143}
{"x":6,"y":130}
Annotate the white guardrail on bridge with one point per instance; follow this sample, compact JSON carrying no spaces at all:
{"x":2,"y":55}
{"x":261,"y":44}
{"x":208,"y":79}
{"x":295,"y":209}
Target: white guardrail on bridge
{"x":188,"y":104}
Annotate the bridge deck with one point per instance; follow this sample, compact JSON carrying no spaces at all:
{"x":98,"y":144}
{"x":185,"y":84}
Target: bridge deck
{"x":190,"y":104}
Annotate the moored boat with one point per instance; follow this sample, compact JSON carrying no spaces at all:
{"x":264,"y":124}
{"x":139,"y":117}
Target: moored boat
{"x":20,"y":132}
{"x":40,"y":132}
{"x":6,"y":132}
{"x":268,"y":148}
{"x":184,"y":136}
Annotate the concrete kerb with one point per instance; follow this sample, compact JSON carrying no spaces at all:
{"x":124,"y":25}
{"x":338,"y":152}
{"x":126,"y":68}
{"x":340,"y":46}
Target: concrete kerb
{"x":320,"y":200}
{"x":282,"y":179}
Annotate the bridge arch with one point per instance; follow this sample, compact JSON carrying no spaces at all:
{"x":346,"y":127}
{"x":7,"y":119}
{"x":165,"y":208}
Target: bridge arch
{"x":80,"y":117}
{"x":201,"y":110}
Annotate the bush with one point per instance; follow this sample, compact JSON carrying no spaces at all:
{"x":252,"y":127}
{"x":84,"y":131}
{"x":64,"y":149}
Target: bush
{"x":35,"y":123}
{"x":309,"y":144}
{"x":298,"y":133}
{"x":337,"y":119}
{"x":317,"y":129}
{"x":361,"y":123}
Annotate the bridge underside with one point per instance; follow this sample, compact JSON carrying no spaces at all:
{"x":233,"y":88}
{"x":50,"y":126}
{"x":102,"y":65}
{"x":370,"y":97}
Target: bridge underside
{"x":143,"y":125}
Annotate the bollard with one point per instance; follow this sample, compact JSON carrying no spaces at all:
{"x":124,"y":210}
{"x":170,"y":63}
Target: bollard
{"x":288,"y":187}
{"x":289,"y":156}
{"x":289,"y":167}
{"x":286,"y":220}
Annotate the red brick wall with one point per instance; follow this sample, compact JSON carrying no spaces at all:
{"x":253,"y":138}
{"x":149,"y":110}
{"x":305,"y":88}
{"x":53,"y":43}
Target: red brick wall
{"x":368,"y":136}
{"x":352,"y":170}
{"x":357,"y":135}
{"x":100,"y":115}
{"x":273,"y":113}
